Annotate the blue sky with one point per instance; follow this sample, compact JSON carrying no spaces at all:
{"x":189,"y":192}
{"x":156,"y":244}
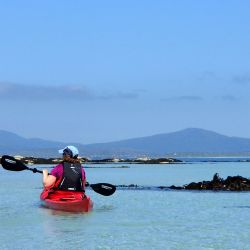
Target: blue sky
{"x":98,"y":71}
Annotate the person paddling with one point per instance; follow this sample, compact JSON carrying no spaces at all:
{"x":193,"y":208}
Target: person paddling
{"x":69,"y":175}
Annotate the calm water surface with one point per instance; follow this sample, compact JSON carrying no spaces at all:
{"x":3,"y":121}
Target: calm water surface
{"x":130,"y":219}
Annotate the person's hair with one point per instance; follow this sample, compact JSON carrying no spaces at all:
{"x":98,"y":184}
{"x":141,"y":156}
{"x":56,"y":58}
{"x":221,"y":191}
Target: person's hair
{"x":67,"y":158}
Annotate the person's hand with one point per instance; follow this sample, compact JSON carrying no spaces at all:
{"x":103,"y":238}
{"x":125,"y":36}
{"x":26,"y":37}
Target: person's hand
{"x":45,"y":172}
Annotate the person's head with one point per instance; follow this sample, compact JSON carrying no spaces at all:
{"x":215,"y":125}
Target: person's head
{"x":70,"y":153}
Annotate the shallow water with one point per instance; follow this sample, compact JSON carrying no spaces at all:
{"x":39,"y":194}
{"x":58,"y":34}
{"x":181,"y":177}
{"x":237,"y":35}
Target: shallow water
{"x":130,"y":219}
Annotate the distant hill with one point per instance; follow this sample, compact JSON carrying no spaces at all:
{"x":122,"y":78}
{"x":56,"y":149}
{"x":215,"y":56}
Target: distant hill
{"x":191,"y":141}
{"x":187,"y":141}
{"x":11,"y":143}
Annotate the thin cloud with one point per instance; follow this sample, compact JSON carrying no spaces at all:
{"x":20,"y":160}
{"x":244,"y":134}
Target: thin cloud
{"x":127,"y":95}
{"x":211,"y":77}
{"x":12,"y":91}
{"x":34,"y":92}
{"x":208,"y":76}
{"x":118,"y":95}
{"x":188,"y":98}
{"x":141,"y":90}
{"x":230,"y":98}
{"x":241,"y":79}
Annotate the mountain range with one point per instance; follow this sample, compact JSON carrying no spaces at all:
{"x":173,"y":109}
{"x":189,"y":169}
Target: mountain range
{"x":190,"y":141}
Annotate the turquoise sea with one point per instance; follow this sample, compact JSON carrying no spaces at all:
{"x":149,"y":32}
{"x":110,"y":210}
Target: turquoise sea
{"x":130,"y":219}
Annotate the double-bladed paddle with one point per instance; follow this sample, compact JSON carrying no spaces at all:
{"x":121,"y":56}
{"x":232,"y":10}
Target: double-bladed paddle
{"x":12,"y":164}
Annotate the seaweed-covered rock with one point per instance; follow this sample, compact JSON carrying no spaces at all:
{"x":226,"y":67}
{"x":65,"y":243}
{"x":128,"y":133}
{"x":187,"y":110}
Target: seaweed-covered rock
{"x":232,"y":183}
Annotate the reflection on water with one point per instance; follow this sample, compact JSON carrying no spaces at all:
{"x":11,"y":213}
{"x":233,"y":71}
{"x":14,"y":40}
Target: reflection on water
{"x":63,"y":214}
{"x":104,"y":208}
{"x":238,"y":207}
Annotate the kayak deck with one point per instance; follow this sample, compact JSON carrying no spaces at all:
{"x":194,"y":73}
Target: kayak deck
{"x":68,"y":202}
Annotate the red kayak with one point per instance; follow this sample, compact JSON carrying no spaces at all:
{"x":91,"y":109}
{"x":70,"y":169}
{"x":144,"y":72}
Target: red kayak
{"x":66,"y":201}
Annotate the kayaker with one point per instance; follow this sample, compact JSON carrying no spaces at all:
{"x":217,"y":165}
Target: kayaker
{"x":69,"y":175}
{"x":64,"y":187}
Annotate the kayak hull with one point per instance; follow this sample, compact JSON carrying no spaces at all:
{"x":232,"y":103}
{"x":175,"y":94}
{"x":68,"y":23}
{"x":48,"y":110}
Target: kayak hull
{"x":67,"y":201}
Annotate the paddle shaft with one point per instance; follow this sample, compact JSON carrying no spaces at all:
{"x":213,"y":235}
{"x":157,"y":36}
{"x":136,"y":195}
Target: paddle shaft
{"x":34,"y":170}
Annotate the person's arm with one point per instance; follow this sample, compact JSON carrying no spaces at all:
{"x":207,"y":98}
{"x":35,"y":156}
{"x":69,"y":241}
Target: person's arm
{"x":83,"y":178}
{"x":48,"y":180}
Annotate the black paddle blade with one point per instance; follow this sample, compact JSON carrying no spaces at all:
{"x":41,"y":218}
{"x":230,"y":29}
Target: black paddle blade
{"x":105,"y":189}
{"x":10,"y":163}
